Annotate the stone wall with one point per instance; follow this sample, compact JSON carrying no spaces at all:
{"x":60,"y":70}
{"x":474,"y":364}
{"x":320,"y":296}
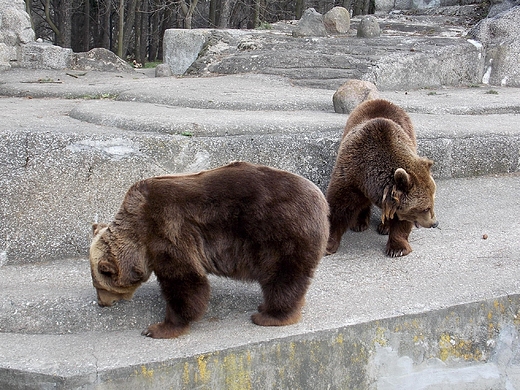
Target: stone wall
{"x":15,"y":31}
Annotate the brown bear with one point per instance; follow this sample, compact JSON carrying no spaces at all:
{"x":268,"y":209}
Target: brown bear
{"x":243,"y":221}
{"x":377,"y":163}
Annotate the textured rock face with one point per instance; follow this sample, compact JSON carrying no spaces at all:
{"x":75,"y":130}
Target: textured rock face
{"x":499,"y":36}
{"x":15,"y":30}
{"x":310,"y":25}
{"x":498,"y":6}
{"x":353,"y":93}
{"x":99,"y":59}
{"x":337,"y":20}
{"x":368,"y":27}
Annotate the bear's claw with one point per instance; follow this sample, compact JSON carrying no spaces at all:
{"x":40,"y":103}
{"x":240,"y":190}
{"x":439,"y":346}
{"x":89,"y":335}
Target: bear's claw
{"x":163,"y":330}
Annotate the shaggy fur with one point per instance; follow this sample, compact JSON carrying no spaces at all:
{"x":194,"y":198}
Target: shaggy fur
{"x":242,"y":221}
{"x":378,"y":164}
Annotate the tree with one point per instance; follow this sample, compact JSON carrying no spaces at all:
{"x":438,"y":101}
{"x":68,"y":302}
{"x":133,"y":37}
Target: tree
{"x":135,"y":28}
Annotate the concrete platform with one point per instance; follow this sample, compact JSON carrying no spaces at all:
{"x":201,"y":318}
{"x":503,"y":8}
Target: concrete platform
{"x":444,"y":317}
{"x":72,"y":143}
{"x":447,"y":316}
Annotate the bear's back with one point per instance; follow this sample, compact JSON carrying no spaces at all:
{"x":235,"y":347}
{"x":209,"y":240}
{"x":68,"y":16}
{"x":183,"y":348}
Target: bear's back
{"x":237,"y":215}
{"x":380,"y":108}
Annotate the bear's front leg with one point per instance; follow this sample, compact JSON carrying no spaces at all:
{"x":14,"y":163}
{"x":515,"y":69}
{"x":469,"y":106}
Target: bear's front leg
{"x":186,"y":301}
{"x":170,"y":328}
{"x":398,"y":232}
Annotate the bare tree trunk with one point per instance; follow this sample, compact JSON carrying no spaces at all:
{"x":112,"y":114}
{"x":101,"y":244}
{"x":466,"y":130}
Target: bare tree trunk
{"x":120,"y":29}
{"x":361,"y":7}
{"x":225,"y":14}
{"x":86,"y":31}
{"x":106,"y":26}
{"x":256,"y":14}
{"x":187,"y":12}
{"x":141,"y":31}
{"x":49,"y":21}
{"x":129,"y":26}
{"x":299,"y":9}
{"x":213,"y":7}
{"x":28,"y":9}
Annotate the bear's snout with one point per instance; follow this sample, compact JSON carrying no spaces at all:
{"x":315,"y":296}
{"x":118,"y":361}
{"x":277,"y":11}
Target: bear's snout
{"x":107,"y":298}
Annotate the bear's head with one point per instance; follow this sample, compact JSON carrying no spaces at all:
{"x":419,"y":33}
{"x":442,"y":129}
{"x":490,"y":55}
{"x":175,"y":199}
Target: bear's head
{"x":117,"y":264}
{"x":412,"y":196}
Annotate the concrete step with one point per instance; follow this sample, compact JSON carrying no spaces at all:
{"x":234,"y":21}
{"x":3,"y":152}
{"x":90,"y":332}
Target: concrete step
{"x":446,"y":316}
{"x":71,"y":160}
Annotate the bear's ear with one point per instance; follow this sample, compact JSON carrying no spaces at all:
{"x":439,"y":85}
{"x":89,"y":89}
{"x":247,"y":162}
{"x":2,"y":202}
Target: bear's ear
{"x":107,"y":268}
{"x":402,"y":181}
{"x":96,"y":227}
{"x":429,"y":163}
{"x":133,"y":267}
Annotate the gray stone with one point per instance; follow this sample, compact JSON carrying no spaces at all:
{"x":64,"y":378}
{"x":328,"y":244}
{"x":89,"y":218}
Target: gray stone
{"x":499,"y":36}
{"x":353,"y":93}
{"x":498,"y":6}
{"x":425,"y":4}
{"x":15,"y":30}
{"x":99,"y":59}
{"x":368,"y":27}
{"x":310,"y":25}
{"x":163,"y":70}
{"x":45,"y":56}
{"x":182,"y":47}
{"x":337,"y":20}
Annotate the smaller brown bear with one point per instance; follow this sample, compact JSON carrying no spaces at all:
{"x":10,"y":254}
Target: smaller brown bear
{"x":378,"y":164}
{"x":243,"y":221}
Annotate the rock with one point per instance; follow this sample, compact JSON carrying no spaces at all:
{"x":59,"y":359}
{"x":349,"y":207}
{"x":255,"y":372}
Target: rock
{"x":310,"y":25}
{"x":181,"y":48}
{"x":163,"y":70}
{"x":368,"y":27}
{"x":337,"y":20}
{"x":45,"y":56}
{"x":498,"y":6}
{"x":351,"y":94}
{"x":499,"y":36}
{"x":15,"y":30}
{"x":101,"y":60}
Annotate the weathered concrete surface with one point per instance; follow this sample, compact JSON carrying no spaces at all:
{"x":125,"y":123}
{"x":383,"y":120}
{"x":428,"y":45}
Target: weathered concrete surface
{"x":67,"y":162}
{"x":444,"y":317}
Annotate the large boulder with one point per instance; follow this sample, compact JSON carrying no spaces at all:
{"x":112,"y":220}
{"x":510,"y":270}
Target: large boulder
{"x":99,"y":59}
{"x":368,"y":27}
{"x":182,"y":47}
{"x":499,"y":36}
{"x":36,"y":55}
{"x":15,"y":31}
{"x":498,"y":6}
{"x":337,"y":20}
{"x":310,"y":25}
{"x":352,"y":93}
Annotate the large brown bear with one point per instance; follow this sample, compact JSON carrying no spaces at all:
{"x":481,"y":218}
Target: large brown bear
{"x":378,"y":164}
{"x":243,"y":221}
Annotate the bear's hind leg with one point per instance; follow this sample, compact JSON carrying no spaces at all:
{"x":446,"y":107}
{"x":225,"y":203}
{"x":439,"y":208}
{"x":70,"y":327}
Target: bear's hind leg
{"x":363,"y":220}
{"x":186,"y":301}
{"x":348,"y":209}
{"x":284,"y":298}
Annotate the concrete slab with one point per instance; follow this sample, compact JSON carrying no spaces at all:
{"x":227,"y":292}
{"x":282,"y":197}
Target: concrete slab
{"x":445,"y":316}
{"x":71,"y":160}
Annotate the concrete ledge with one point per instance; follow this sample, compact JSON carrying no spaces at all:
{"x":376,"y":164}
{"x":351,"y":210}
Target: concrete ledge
{"x":66,"y":163}
{"x":471,"y":346}
{"x":445,"y":316}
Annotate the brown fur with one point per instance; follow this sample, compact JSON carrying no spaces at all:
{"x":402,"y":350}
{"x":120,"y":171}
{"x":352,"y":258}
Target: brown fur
{"x":243,"y":221}
{"x":378,"y":164}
